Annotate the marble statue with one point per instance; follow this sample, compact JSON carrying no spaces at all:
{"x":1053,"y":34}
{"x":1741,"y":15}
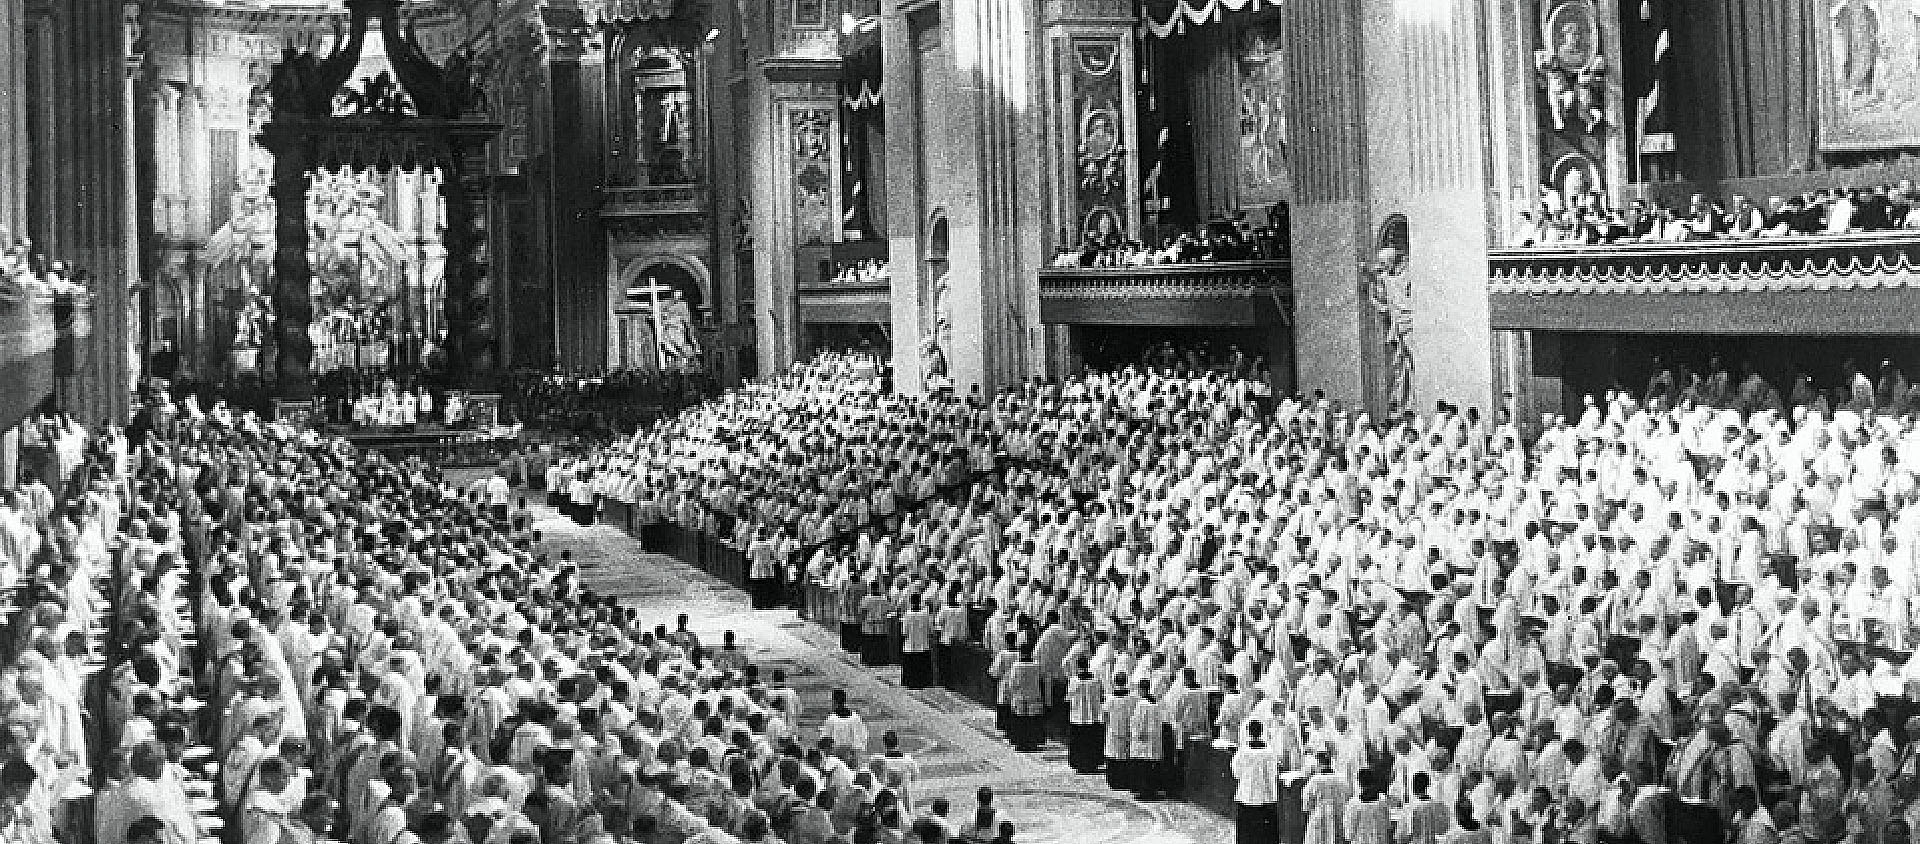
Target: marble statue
{"x":679,"y":347}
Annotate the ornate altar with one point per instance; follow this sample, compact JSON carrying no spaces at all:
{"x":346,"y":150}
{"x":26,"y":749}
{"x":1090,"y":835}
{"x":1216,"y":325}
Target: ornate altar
{"x":424,"y":115}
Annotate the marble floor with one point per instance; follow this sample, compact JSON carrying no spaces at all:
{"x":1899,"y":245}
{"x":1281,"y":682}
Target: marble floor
{"x":951,"y":736}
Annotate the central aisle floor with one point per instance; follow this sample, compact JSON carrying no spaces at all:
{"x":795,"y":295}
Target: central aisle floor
{"x":950,"y":736}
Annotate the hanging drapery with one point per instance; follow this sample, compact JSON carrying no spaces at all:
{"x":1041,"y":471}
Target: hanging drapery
{"x":860,"y":68}
{"x":860,"y":81}
{"x":1172,"y":17}
{"x":598,"y":12}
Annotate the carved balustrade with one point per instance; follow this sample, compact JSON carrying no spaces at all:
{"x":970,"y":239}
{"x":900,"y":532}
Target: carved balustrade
{"x":1847,"y":284}
{"x":1223,"y":293}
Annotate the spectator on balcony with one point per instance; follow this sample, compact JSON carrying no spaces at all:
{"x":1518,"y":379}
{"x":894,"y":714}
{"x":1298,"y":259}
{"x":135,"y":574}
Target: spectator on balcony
{"x":1873,"y":210}
{"x":1747,"y":219}
{"x":1900,"y":200}
{"x":1840,"y":212}
{"x":1788,"y":218}
{"x":1704,"y":219}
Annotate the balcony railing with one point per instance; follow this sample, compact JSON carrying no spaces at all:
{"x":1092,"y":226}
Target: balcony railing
{"x":1226,"y":278}
{"x":1840,"y":262}
{"x":836,"y":285}
{"x":27,"y":341}
{"x":656,"y":199}
{"x":1224,"y":293}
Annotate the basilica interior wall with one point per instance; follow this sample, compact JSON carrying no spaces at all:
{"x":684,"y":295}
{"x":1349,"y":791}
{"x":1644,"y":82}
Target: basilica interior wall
{"x":1749,"y":96}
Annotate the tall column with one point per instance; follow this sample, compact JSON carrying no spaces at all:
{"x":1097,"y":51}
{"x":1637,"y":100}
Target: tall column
{"x":906,"y":195}
{"x":468,"y":301}
{"x":197,"y":356}
{"x":293,"y":275}
{"x":997,"y":224}
{"x":196,"y":172}
{"x":800,"y":190}
{"x":576,"y":241}
{"x":773,"y":241}
{"x":44,"y":111}
{"x":12,"y":172}
{"x":166,"y":158}
{"x":126,"y":321}
{"x":1325,"y":51}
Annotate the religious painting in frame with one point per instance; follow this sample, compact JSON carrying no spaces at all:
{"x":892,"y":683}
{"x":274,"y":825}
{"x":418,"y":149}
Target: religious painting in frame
{"x":1260,"y":69}
{"x":814,"y":218}
{"x":1101,"y":155}
{"x":1867,"y":54}
{"x":1571,"y":110}
{"x":810,"y":14}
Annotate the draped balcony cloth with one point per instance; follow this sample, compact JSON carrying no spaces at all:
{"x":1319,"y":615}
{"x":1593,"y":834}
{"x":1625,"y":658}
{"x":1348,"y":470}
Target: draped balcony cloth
{"x":598,"y":12}
{"x":860,"y":65}
{"x":1166,"y":18}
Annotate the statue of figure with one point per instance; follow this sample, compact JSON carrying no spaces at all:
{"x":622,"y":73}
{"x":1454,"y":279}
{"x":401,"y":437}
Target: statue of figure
{"x":1392,"y":301}
{"x":465,"y":78}
{"x":933,"y":357}
{"x":292,"y":82}
{"x":942,"y":317}
{"x":933,"y":365}
{"x":673,"y":118}
{"x":679,"y":347}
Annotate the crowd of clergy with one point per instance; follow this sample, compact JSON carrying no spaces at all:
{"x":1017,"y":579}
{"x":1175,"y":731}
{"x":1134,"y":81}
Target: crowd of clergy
{"x":239,"y":631}
{"x":1638,"y":623}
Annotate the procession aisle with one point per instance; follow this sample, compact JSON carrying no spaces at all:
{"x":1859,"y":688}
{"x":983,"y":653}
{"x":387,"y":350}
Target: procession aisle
{"x":951,"y":737}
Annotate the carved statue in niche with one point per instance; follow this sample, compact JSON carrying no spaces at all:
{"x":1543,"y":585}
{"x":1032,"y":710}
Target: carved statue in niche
{"x":933,"y":358}
{"x":1392,"y":298}
{"x":679,"y":345}
{"x":673,"y":119}
{"x":1390,"y":292}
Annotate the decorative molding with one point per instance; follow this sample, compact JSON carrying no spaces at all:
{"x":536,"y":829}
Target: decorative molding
{"x":1859,"y":262}
{"x":802,"y":69}
{"x":1165,"y":19}
{"x":811,"y":132}
{"x":1228,"y":279}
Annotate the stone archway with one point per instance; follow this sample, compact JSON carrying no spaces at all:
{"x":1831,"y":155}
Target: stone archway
{"x":687,"y":267}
